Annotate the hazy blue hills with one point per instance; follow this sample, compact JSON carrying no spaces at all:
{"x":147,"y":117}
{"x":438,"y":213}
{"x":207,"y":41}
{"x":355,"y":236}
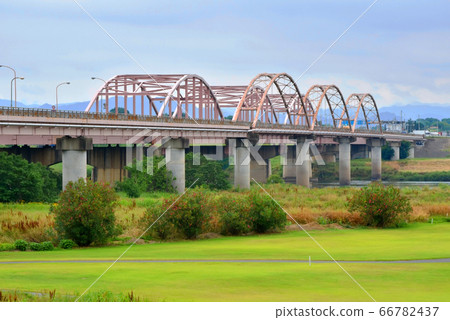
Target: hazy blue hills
{"x":396,"y":112}
{"x":414,"y":111}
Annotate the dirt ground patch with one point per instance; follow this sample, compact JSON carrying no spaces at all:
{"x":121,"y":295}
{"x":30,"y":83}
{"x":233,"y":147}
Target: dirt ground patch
{"x":420,"y":165}
{"x":313,"y":226}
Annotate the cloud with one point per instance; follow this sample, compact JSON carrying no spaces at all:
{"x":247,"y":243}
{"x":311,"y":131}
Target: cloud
{"x":396,"y":51}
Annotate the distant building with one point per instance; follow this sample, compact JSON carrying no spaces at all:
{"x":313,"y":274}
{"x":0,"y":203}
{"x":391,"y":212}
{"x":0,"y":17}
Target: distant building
{"x":394,"y":126}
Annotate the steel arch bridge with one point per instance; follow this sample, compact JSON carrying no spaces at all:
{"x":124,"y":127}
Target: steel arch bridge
{"x":269,"y":98}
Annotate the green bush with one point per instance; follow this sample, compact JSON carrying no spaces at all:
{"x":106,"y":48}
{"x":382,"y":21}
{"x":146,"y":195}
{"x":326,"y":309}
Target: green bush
{"x":233,"y":212}
{"x":189,"y":214}
{"x":161,"y":226}
{"x":66,"y":244}
{"x":34,"y":246}
{"x":404,"y":149}
{"x":85,"y":212}
{"x":275,"y":178}
{"x":47,"y":246}
{"x":24,"y":181}
{"x":208,"y":173}
{"x":380,"y":206}
{"x":21,"y":245}
{"x":387,"y":152}
{"x":146,"y":175}
{"x":7,"y":247}
{"x":130,"y":186}
{"x":265,"y":214}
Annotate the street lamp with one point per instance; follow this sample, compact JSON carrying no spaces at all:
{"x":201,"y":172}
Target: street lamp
{"x":15,"y":87}
{"x":57,"y":92}
{"x":15,"y":97}
{"x":101,"y":101}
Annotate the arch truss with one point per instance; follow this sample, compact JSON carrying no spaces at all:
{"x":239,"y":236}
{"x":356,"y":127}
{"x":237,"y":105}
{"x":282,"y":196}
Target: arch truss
{"x":270,"y":98}
{"x":175,"y":96}
{"x":330,"y":98}
{"x":365,"y":102}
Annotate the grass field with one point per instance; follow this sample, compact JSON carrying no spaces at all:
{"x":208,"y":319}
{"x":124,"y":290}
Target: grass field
{"x":237,"y":281}
{"x":419,"y":165}
{"x":417,"y":241}
{"x":305,"y":205}
{"x":215,"y":281}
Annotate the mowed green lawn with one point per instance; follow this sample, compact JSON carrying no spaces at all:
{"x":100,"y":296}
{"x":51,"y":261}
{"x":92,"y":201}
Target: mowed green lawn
{"x":238,"y":281}
{"x":215,"y":281}
{"x":416,"y":241}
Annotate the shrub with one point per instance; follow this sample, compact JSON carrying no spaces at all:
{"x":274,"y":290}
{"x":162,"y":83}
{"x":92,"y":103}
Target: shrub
{"x":7,"y":247}
{"x":209,"y":173}
{"x":24,"y":181}
{"x":275,"y":178}
{"x":21,"y":245}
{"x":142,"y":179}
{"x":387,"y":152}
{"x":161,"y":228}
{"x":130,"y":186}
{"x":189,"y":214}
{"x":233,"y":211}
{"x":404,"y":149}
{"x":85,"y":212}
{"x":47,"y":246}
{"x":66,"y":244}
{"x":265,"y":214}
{"x":34,"y":246}
{"x":380,"y":206}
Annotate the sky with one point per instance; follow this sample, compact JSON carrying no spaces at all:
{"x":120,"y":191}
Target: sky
{"x":399,"y":50}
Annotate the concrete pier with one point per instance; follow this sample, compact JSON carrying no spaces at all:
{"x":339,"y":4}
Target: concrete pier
{"x":411,"y":151}
{"x":375,"y":145}
{"x":74,"y":157}
{"x":344,"y":160}
{"x":242,"y":166}
{"x":175,"y":156}
{"x":303,"y":162}
{"x":289,"y":165}
{"x":395,"y":145}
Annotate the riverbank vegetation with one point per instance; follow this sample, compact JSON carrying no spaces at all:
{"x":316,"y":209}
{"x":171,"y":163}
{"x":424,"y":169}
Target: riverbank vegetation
{"x":244,"y":281}
{"x":34,"y":222}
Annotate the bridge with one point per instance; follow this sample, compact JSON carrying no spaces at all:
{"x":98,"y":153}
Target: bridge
{"x":266,"y":118}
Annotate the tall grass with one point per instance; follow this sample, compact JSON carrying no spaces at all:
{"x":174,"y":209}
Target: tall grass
{"x":32,"y":221}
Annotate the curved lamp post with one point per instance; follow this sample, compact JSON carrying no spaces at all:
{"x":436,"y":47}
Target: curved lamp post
{"x":15,"y":96}
{"x":15,"y":76}
{"x":57,"y":92}
{"x":96,"y":78}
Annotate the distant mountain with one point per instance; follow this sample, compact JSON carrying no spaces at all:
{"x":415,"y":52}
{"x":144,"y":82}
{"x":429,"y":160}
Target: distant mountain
{"x":414,"y":111}
{"x":73,"y":106}
{"x":396,"y":112}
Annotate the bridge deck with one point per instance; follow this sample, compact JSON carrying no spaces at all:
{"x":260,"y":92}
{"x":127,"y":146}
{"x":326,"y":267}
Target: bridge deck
{"x":43,"y":126}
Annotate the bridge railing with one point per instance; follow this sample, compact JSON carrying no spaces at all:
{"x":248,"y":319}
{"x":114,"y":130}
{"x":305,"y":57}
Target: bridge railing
{"x":65,"y":114}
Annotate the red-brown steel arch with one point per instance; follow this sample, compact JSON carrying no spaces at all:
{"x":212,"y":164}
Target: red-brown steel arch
{"x":287,"y":91}
{"x":334,"y":99}
{"x":365,"y":102}
{"x":174,"y":96}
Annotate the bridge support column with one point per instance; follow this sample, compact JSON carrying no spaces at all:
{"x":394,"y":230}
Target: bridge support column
{"x":375,"y":146}
{"x":175,"y":155}
{"x":74,"y":157}
{"x":303,"y":161}
{"x":411,"y":151}
{"x":259,"y":170}
{"x":289,"y":167}
{"x":396,"y":146}
{"x":344,"y":159}
{"x":242,"y":166}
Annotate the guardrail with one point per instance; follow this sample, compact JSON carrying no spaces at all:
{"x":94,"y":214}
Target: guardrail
{"x":64,"y":114}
